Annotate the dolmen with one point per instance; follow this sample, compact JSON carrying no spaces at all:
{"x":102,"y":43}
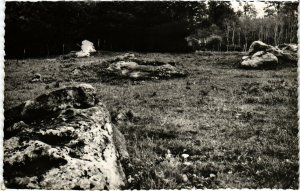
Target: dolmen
{"x":261,"y":55}
{"x":130,"y":67}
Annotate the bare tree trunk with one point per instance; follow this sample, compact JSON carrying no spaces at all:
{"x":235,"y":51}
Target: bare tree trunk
{"x":292,"y":35}
{"x":286,"y":32}
{"x":239,"y":37}
{"x":275,"y":33}
{"x":246,"y":43}
{"x":227,"y":35}
{"x":232,"y":39}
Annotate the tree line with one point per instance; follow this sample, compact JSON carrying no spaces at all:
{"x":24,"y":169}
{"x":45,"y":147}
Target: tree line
{"x":278,"y":26}
{"x":54,"y":28}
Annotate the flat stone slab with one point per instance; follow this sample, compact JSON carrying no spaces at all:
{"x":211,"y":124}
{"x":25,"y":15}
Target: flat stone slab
{"x":141,"y":69}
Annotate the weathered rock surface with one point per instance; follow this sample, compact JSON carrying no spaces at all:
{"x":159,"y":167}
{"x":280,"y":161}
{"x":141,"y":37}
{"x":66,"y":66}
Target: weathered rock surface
{"x":63,"y":140}
{"x":262,"y":55}
{"x":290,"y":47}
{"x":128,"y":66}
{"x":87,"y":48}
{"x":257,"y":46}
{"x":260,"y":60}
{"x":284,"y":55}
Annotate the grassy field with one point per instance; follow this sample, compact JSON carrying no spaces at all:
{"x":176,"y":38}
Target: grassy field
{"x":239,"y":127}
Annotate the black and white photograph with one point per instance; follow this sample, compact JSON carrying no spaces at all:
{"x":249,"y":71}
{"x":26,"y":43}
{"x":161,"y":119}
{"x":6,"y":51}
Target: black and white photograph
{"x":150,"y":95}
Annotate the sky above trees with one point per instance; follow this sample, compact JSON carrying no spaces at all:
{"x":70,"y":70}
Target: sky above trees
{"x":259,"y":6}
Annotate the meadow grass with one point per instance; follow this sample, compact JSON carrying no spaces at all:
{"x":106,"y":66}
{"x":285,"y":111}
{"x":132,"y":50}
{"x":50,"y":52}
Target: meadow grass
{"x":239,"y":127}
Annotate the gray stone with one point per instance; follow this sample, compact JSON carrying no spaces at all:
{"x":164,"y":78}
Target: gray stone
{"x":260,"y":59}
{"x":144,"y":69}
{"x":284,"y":55}
{"x":257,"y":46}
{"x":289,"y":47}
{"x":36,"y":78}
{"x":262,"y":55}
{"x":68,"y":142}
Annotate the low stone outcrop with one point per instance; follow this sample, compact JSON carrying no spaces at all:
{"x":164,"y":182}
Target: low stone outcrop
{"x":128,"y":66}
{"x":289,"y":47}
{"x":262,"y":55}
{"x":63,"y":140}
{"x":261,"y":59}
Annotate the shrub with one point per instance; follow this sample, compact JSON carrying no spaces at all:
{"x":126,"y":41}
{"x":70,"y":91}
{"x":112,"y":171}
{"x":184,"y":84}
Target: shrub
{"x":214,"y":42}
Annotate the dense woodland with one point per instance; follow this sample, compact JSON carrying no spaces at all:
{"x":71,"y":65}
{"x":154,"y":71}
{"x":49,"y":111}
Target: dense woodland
{"x":39,"y":29}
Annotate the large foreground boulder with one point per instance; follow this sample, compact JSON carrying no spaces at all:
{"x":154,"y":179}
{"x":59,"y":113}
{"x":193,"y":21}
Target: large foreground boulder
{"x":262,"y":55}
{"x":63,"y":140}
{"x":140,"y":69}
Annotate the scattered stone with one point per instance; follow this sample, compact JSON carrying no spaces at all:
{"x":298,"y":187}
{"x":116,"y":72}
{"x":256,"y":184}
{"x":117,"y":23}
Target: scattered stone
{"x":63,"y":140}
{"x":289,"y":47}
{"x":260,"y":59}
{"x":76,"y":71}
{"x":245,"y":57}
{"x":168,"y":155}
{"x":284,"y":56}
{"x":262,"y":55}
{"x":184,"y":178}
{"x":126,"y":56}
{"x":36,"y":78}
{"x":139,"y":69}
{"x":124,"y":115}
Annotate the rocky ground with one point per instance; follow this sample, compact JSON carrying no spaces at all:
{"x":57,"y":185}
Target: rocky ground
{"x":216,"y":126}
